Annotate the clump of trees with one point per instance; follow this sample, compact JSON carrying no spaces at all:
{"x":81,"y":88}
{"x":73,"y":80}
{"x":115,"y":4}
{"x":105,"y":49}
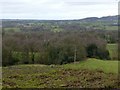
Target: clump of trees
{"x":95,"y":52}
{"x":47,"y":47}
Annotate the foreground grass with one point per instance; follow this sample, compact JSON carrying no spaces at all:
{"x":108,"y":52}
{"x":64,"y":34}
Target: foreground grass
{"x":91,"y":73}
{"x":0,"y":78}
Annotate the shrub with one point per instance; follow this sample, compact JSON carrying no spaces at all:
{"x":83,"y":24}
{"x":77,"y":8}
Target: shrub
{"x":93,"y":51}
{"x":103,"y":54}
{"x":7,"y":58}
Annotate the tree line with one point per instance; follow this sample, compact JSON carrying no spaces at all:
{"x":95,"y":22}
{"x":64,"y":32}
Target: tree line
{"x":47,"y":47}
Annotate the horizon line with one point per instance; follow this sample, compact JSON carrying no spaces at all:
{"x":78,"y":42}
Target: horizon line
{"x":52,"y":19}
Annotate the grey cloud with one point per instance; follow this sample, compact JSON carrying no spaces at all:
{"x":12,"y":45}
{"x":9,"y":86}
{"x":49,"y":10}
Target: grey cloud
{"x":54,"y":9}
{"x":88,"y":3}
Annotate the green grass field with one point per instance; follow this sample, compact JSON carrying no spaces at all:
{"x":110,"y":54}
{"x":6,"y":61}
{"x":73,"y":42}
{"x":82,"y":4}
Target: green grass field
{"x":12,"y":29}
{"x":96,"y":64}
{"x":91,"y":73}
{"x":113,"y":50}
{"x":111,"y":28}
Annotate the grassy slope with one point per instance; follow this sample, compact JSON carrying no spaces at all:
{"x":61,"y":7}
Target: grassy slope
{"x":113,"y":50}
{"x":95,"y":64}
{"x":82,"y":74}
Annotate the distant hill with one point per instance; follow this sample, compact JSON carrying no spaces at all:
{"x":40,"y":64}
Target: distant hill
{"x":107,"y":18}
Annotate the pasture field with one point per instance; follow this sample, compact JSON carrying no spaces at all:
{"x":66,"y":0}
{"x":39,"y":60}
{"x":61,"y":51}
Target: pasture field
{"x":111,"y":28}
{"x":15,"y":29}
{"x":91,"y":73}
{"x":113,"y":50}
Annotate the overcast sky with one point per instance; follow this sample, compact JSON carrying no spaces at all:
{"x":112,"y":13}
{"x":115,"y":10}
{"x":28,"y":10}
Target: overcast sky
{"x":57,"y":9}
